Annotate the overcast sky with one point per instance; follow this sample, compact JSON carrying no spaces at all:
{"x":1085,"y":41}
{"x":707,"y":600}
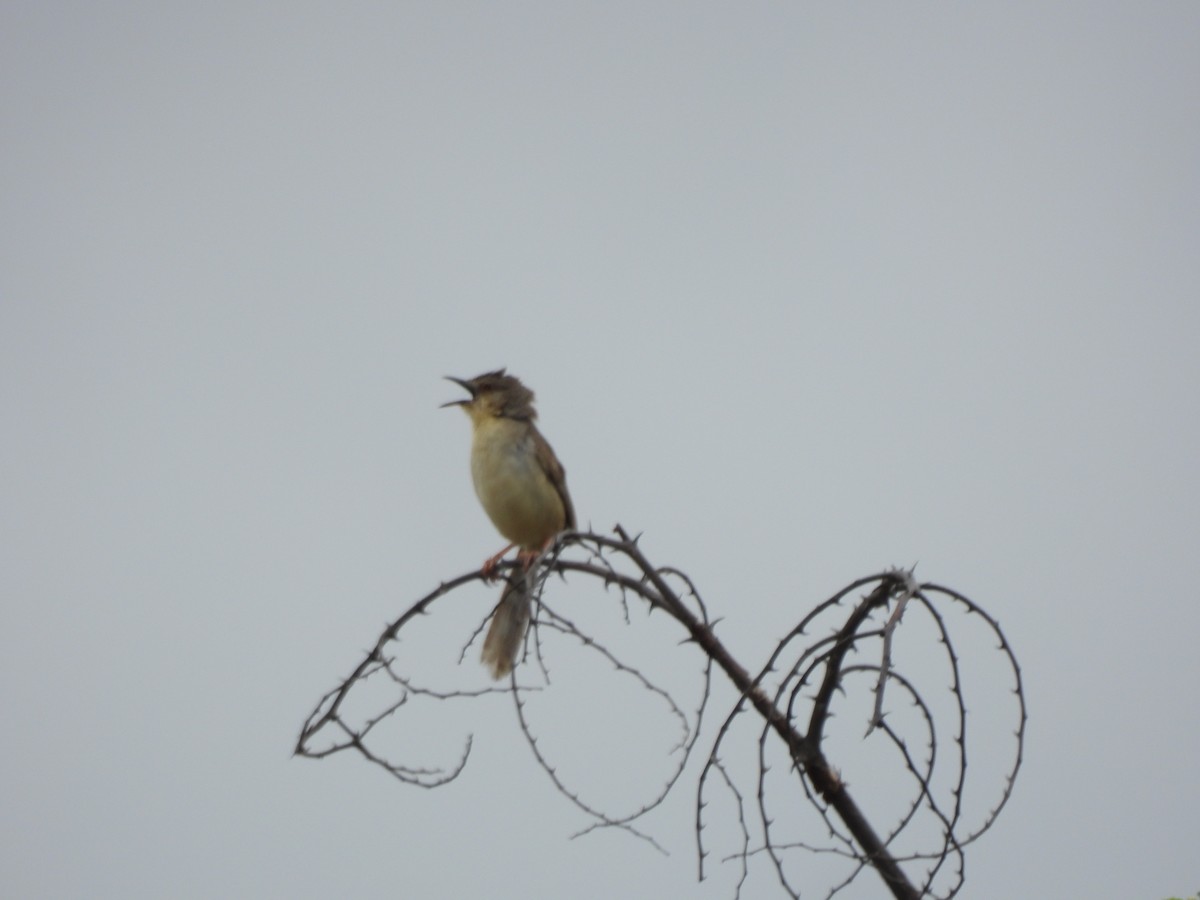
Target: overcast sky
{"x":804,"y":292}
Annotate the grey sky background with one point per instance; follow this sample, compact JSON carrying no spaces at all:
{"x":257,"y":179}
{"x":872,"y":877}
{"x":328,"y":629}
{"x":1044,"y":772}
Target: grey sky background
{"x":804,"y":292}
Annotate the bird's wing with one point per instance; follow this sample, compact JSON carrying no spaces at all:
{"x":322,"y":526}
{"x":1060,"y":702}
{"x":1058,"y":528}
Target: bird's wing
{"x":555,"y":472}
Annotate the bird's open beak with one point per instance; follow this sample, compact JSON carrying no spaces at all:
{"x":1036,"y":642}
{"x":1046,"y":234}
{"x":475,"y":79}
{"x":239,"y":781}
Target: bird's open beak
{"x":466,"y":386}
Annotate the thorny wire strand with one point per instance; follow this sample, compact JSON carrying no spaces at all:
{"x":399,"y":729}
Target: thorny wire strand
{"x":651,"y":587}
{"x":953,"y":844}
{"x":547,"y":617}
{"x":1018,"y":691}
{"x":690,"y":732}
{"x":807,"y":755}
{"x":795,"y":696}
{"x":951,"y":820}
{"x":328,"y":709}
{"x":742,"y":704}
{"x":830,"y":659}
{"x":849,"y":852}
{"x":924,"y":796}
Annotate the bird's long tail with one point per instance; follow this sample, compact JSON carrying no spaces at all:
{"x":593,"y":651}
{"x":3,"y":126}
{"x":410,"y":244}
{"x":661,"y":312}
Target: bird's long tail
{"x":509,"y":623}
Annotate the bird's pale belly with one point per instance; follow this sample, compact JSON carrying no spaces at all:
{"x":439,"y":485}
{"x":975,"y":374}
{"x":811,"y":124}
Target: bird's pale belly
{"x":515,"y":493}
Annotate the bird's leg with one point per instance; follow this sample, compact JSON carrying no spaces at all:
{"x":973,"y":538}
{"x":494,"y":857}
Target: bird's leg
{"x":526,"y":557}
{"x":489,"y":565}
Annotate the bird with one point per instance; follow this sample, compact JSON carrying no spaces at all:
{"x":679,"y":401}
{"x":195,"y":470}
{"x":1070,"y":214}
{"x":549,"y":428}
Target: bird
{"x":523,"y":489}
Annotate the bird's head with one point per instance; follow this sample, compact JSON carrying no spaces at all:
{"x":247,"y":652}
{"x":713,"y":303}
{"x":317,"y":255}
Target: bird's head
{"x":494,"y":395}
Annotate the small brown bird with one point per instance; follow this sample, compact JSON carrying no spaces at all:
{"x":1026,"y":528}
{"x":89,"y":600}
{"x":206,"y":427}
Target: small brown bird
{"x":523,"y":489}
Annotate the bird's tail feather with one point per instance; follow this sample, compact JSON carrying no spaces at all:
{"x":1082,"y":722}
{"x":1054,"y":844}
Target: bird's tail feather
{"x":509,"y":623}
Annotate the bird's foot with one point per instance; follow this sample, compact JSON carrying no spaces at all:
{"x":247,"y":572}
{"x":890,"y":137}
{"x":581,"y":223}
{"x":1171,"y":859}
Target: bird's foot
{"x":493,"y":562}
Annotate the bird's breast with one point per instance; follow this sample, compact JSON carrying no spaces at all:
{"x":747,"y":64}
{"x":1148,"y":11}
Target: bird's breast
{"x":515,"y":493}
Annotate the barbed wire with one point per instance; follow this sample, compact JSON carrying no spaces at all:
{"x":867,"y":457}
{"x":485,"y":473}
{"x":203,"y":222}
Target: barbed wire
{"x":919,"y":849}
